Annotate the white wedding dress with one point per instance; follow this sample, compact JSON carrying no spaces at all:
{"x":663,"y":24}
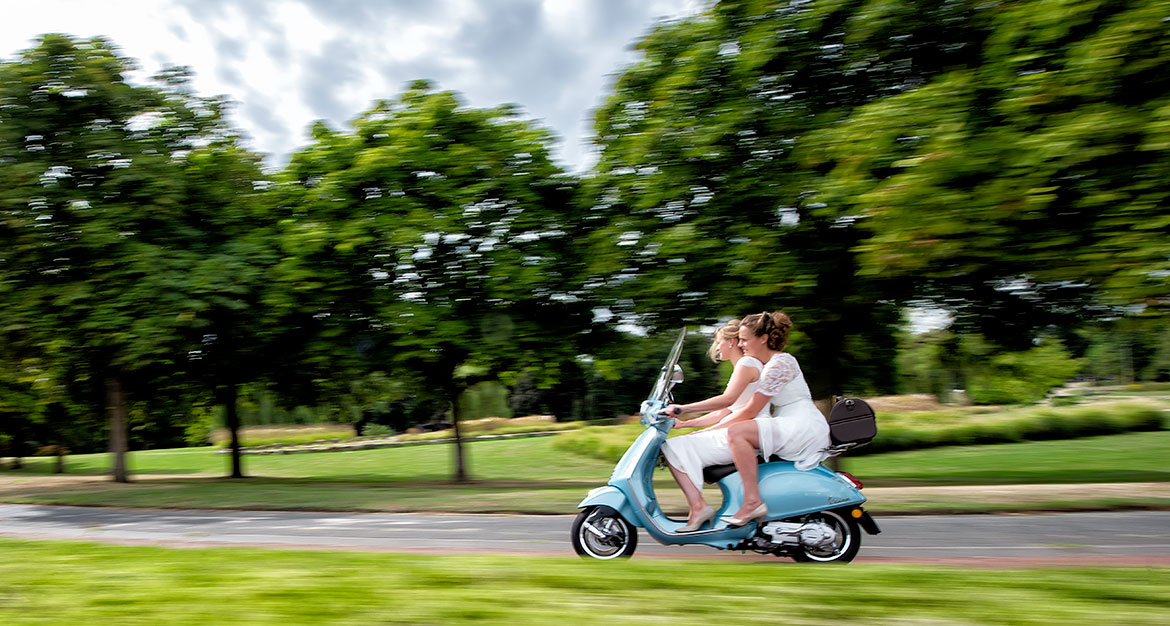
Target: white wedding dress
{"x":691,"y":453}
{"x":796,"y":431}
{"x":790,"y":425}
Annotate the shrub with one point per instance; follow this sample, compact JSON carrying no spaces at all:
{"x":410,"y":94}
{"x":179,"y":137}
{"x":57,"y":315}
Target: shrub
{"x":376,"y":430}
{"x":288,"y":434}
{"x":1018,"y":377}
{"x":927,"y":429}
{"x":203,"y":424}
{"x":496,"y":426}
{"x":605,"y":443}
{"x":930,"y":429}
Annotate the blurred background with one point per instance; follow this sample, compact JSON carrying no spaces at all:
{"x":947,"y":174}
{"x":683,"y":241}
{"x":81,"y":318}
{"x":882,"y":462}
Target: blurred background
{"x":965,"y":200}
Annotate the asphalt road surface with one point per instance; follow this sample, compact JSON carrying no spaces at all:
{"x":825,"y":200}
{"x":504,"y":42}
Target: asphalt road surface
{"x":1137,"y":537}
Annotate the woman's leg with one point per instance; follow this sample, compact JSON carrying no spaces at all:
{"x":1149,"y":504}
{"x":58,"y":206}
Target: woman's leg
{"x":695,"y":501}
{"x":744,"y":439}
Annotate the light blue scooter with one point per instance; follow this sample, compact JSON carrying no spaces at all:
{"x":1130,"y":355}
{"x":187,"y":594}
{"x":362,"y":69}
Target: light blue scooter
{"x":813,"y":515}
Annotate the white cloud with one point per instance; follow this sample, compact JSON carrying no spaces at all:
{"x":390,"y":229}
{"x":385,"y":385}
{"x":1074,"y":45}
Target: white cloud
{"x":287,"y":63}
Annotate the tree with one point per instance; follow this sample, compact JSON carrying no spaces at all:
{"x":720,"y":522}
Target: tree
{"x":435,"y":241}
{"x":108,"y":249}
{"x":711,"y":208}
{"x":1025,"y":188}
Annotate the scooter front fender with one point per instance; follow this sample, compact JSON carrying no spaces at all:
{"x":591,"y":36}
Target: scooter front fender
{"x":613,"y":498}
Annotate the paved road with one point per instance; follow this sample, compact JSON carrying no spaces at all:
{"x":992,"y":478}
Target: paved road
{"x":1120,"y":537}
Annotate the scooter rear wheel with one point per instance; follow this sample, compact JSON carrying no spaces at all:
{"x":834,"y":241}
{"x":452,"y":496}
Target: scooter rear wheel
{"x":601,"y":533}
{"x":843,"y":548}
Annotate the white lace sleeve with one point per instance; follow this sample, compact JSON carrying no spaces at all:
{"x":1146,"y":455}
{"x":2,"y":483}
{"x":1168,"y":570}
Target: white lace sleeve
{"x":779,"y":371}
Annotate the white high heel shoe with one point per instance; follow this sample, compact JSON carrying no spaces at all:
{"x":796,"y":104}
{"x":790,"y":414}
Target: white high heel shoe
{"x":758,"y":513}
{"x":707,"y":515}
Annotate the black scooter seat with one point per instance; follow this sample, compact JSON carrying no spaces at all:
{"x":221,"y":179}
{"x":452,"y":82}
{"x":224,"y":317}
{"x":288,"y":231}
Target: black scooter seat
{"x":715,"y":473}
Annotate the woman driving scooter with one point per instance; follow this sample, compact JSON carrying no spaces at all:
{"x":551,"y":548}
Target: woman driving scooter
{"x":686,"y":456}
{"x":796,"y":431}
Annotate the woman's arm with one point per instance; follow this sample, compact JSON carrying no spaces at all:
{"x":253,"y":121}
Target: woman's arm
{"x":753,"y":408}
{"x":706,"y":420}
{"x":740,"y":378}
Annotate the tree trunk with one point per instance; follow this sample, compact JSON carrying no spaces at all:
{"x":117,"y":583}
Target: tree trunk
{"x":460,"y":466}
{"x":116,"y":406}
{"x":59,"y":468}
{"x":230,"y":399}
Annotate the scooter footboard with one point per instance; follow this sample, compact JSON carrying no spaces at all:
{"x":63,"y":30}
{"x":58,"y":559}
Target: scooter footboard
{"x":789,"y":491}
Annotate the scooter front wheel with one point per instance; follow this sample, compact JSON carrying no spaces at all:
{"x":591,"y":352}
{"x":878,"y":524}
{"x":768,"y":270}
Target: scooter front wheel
{"x":601,"y":533}
{"x":844,"y":546}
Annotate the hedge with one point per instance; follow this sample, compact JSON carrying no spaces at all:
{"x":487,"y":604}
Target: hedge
{"x":929,"y":429}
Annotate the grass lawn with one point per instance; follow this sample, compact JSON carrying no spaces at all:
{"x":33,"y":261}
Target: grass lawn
{"x":1131,"y":457}
{"x":50,"y":582}
{"x":532,"y":476}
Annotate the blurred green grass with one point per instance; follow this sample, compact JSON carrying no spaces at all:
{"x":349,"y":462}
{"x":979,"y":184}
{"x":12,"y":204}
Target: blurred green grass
{"x":51,"y":582}
{"x":533,"y":475}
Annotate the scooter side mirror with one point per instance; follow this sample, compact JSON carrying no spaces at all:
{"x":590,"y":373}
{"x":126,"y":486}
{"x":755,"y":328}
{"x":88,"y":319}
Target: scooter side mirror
{"x":677,"y":377}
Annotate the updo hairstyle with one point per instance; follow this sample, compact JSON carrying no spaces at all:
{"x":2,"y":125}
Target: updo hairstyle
{"x":730,"y":330}
{"x":775,"y":325}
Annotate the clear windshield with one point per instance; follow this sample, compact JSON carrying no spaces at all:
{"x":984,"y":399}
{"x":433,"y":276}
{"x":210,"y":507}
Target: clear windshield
{"x":662,"y":386}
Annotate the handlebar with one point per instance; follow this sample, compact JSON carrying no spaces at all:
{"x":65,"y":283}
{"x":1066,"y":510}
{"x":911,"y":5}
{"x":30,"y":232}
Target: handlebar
{"x":652,"y":412}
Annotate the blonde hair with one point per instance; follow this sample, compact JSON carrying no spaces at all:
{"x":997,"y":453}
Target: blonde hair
{"x":729,"y":330}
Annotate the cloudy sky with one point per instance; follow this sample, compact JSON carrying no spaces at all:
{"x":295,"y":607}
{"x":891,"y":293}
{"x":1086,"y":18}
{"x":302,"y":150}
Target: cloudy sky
{"x":287,"y":63}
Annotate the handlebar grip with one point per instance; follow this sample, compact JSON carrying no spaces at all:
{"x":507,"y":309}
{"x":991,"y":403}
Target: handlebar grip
{"x":676,"y":410}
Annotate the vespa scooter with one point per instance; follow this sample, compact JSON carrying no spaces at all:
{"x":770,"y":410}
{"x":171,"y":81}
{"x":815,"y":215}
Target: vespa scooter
{"x":813,"y":515}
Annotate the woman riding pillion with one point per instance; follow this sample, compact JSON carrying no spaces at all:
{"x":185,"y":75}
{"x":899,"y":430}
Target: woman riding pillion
{"x":796,"y":431}
{"x":686,"y":456}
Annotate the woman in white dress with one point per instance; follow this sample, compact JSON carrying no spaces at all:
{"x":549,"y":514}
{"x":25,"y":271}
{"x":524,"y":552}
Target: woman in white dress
{"x":686,"y":456}
{"x":796,"y":431}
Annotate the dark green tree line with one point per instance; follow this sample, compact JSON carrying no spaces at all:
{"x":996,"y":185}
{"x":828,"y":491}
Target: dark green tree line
{"x":837,"y":159}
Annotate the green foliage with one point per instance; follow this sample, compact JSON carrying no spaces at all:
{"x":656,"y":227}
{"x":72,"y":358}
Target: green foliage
{"x":928,"y":429}
{"x":486,"y":399}
{"x":838,"y":160}
{"x":494,"y":427}
{"x":963,"y":427}
{"x":1020,"y":186}
{"x":436,"y":239}
{"x":604,"y":443}
{"x":202,"y":426}
{"x":1127,"y":349}
{"x":284,"y":434}
{"x":1018,"y":377}
{"x":709,"y":211}
{"x":930,"y":363}
{"x":376,"y":430}
{"x":133,"y":242}
{"x":942,"y":362}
